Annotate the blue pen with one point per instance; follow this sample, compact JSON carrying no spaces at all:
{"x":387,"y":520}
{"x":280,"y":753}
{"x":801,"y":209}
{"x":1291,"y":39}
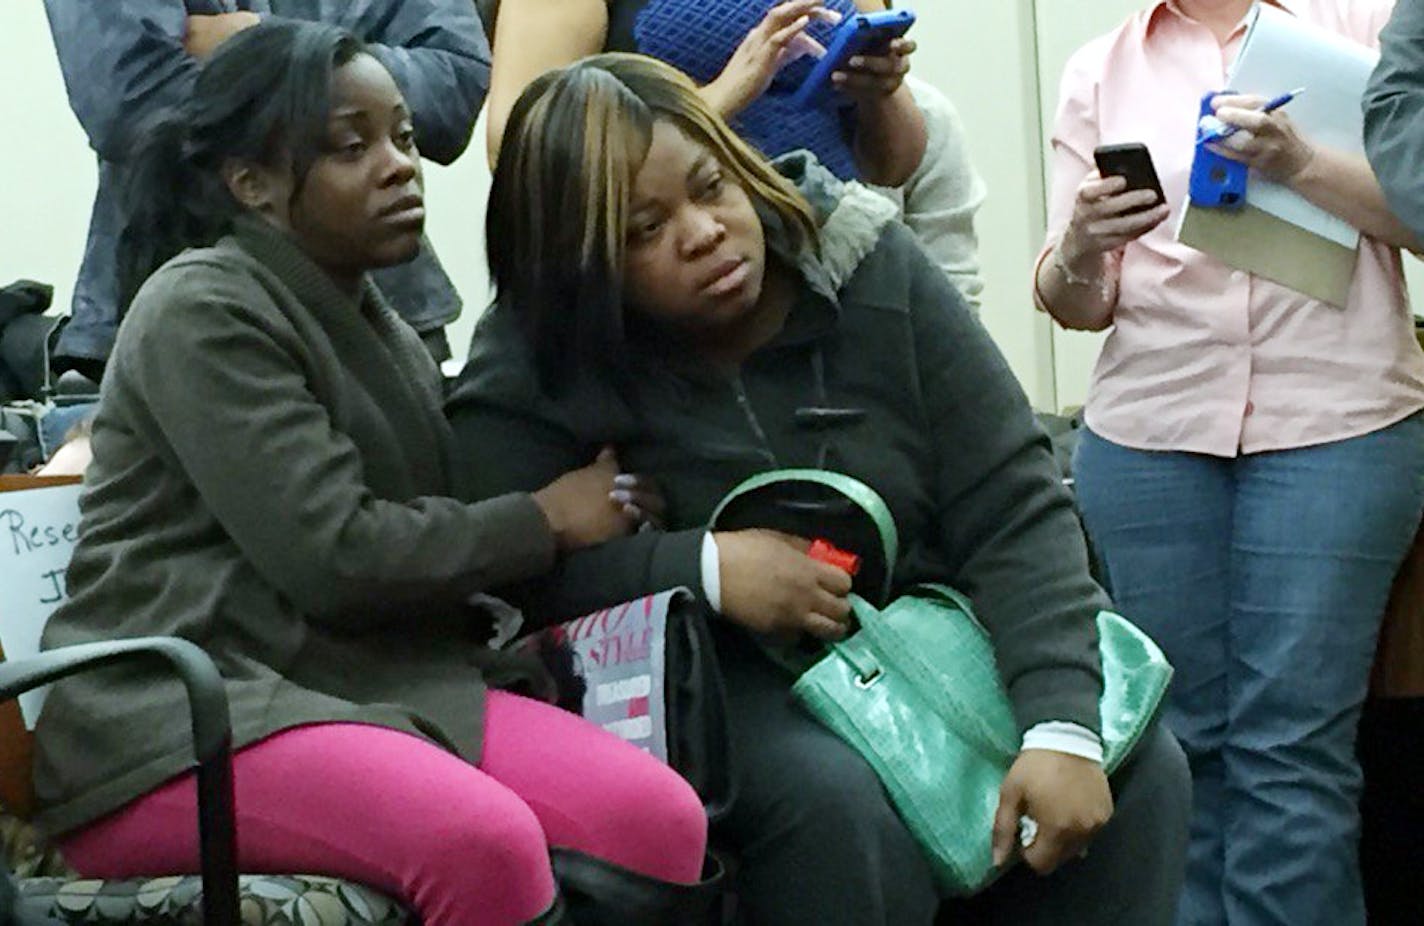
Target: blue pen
{"x":1226,"y":131}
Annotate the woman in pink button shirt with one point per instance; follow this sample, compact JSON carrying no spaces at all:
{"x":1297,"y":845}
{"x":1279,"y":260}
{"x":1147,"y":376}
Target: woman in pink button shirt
{"x":1253,"y":467}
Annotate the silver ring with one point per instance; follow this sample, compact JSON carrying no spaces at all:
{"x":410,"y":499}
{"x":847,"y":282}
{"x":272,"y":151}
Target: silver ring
{"x":1028,"y":831}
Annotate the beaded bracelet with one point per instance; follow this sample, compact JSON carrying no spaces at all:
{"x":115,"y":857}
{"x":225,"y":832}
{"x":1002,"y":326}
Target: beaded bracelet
{"x":1073,"y":278}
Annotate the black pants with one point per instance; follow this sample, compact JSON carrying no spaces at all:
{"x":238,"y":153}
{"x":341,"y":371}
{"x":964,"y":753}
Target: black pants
{"x":819,"y":843}
{"x":1391,"y":749}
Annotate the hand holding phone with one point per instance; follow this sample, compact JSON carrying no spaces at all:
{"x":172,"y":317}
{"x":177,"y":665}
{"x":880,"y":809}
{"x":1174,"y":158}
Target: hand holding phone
{"x":861,"y":34}
{"x":775,"y":42}
{"x":1105,"y":221}
{"x":1132,"y":162}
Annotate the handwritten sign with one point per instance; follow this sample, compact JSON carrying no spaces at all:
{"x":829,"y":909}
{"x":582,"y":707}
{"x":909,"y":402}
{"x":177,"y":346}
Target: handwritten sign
{"x":39,"y":524}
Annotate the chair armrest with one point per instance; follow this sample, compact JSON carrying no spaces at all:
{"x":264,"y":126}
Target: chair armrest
{"x":212,"y":742}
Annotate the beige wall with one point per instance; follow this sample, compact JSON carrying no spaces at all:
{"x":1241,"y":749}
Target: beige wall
{"x":1062,"y":26}
{"x":981,"y":54}
{"x":998,"y":59}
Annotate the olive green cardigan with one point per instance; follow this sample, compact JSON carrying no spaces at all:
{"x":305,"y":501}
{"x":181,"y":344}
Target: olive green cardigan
{"x":269,"y":481}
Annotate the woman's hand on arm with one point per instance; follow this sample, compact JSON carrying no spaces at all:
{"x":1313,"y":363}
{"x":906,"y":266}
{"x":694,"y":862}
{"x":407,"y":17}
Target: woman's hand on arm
{"x":1341,"y":184}
{"x":776,"y":41}
{"x":1075,"y":280}
{"x":583,"y":506}
{"x":595,"y":503}
{"x":534,"y":36}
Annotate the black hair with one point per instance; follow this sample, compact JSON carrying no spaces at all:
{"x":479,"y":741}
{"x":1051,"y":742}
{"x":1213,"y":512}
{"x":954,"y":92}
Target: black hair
{"x":264,"y":96}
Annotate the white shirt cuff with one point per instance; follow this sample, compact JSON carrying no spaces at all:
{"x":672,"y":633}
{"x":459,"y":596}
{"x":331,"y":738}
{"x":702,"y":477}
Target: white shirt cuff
{"x":711,"y":572}
{"x":1061,"y":736}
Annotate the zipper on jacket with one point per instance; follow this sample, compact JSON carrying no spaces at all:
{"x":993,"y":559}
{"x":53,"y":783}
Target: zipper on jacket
{"x":741,"y":393}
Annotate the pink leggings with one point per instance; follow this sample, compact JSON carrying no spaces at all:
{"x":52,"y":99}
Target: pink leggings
{"x":460,"y":844}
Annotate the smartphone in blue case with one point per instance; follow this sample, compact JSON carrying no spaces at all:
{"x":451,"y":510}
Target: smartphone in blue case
{"x":863,"y":33}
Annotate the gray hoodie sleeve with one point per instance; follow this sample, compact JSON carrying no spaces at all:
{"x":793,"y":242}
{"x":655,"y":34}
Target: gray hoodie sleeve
{"x":508,"y":440}
{"x":1394,"y":114}
{"x":1006,"y":523}
{"x":122,"y":60}
{"x":940,"y":199}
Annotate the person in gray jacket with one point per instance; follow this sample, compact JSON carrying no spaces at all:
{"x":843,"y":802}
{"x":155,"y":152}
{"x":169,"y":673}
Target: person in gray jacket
{"x":1392,"y":837}
{"x":123,"y":60}
{"x":663,"y":289}
{"x":271,"y":481}
{"x":1394,"y":114}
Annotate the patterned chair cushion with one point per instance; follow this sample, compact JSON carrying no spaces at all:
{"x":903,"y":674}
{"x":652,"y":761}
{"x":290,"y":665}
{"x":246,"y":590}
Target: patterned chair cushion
{"x":50,"y":888}
{"x":267,"y":900}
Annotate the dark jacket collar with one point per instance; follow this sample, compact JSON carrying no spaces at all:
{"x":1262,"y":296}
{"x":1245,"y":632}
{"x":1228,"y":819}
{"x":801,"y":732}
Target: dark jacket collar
{"x":376,"y":345}
{"x":850,"y":218}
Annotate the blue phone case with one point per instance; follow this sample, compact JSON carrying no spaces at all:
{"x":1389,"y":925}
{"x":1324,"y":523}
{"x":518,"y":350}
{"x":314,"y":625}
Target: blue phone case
{"x":854,"y":35}
{"x":1216,"y":181}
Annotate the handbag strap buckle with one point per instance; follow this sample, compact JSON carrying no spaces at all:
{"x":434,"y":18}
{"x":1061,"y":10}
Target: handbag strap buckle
{"x":863,"y":664}
{"x":864,"y":681}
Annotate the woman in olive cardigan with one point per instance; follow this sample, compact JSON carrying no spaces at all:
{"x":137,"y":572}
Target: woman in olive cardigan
{"x":663,"y":288}
{"x":269,"y":481}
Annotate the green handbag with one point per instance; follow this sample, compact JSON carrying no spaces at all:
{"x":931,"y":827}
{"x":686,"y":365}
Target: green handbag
{"x":916,"y":691}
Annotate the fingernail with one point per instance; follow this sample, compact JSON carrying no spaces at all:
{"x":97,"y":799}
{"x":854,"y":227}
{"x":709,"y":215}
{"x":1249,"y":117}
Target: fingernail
{"x":620,"y":496}
{"x":856,"y":61}
{"x":625,"y":480}
{"x":838,"y":78}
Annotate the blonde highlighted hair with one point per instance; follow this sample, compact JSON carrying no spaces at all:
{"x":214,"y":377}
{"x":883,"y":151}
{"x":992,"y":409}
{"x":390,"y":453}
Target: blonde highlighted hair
{"x":557,"y":223}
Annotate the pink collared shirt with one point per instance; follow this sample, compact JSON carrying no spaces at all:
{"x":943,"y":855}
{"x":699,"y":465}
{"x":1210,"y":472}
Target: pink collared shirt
{"x":1202,"y":357}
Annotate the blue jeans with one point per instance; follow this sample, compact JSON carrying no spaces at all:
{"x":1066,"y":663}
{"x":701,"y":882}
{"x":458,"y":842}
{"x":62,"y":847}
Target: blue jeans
{"x":1264,"y":579}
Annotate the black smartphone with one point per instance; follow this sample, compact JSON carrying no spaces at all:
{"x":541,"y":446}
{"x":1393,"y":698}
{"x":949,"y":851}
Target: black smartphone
{"x":1134,"y":162}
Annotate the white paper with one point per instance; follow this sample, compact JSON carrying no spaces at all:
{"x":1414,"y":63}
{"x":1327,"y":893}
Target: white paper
{"x":1282,"y":52}
{"x":38,"y":529}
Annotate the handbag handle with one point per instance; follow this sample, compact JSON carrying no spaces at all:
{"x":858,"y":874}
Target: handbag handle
{"x":866,"y":667}
{"x":950,"y":596}
{"x":988,"y":738}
